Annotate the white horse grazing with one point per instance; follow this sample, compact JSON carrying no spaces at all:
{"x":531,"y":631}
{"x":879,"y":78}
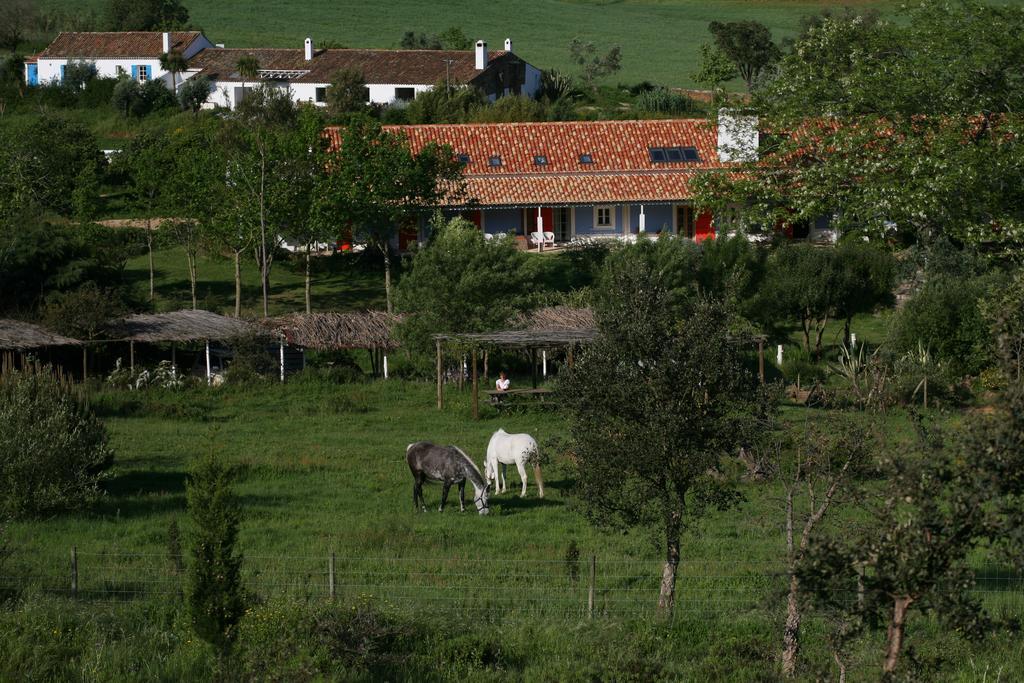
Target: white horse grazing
{"x":508,"y":449}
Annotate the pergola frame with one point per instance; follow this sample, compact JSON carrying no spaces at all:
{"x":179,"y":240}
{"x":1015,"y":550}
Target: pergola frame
{"x":532,"y":340}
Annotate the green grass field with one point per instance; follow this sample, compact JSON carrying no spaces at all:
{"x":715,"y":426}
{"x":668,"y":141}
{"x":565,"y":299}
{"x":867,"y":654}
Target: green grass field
{"x":660,"y":39}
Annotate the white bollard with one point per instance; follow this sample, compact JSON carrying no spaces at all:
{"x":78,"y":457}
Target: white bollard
{"x":385,"y":366}
{"x":853,"y":340}
{"x":778,"y":355}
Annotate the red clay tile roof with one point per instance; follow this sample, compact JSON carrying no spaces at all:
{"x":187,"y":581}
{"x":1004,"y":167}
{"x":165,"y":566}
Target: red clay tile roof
{"x":377,"y":66}
{"x":622,"y":170}
{"x":115,"y":44}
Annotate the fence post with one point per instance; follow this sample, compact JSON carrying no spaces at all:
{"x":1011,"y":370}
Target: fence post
{"x":925,"y":391}
{"x":590,"y":590}
{"x":330,"y":575}
{"x":74,"y":571}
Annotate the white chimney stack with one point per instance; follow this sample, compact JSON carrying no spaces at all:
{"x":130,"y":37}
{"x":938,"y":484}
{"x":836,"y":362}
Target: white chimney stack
{"x":309,"y":49}
{"x":508,"y":45}
{"x":481,"y":55}
{"x":167,"y":42}
{"x":738,"y":136}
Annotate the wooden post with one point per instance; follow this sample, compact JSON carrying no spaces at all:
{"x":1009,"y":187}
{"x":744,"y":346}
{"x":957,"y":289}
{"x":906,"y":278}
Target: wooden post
{"x":85,"y":362}
{"x":330,"y":575}
{"x":569,"y":357}
{"x":385,"y":357}
{"x":533,"y":367}
{"x":440,"y":376}
{"x":590,"y":590}
{"x":74,"y":571}
{"x":544,"y":362}
{"x":925,"y":387}
{"x":485,"y":364}
{"x":760,"y":359}
{"x":281,"y":348}
{"x":476,"y":389}
{"x":131,"y":356}
{"x":174,"y":360}
{"x":208,"y":380}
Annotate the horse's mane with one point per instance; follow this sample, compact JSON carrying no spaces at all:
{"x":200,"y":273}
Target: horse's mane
{"x":470,"y":461}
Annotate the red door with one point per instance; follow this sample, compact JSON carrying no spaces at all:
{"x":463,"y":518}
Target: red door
{"x":705,"y":230}
{"x":408,"y":235}
{"x":475,"y":217}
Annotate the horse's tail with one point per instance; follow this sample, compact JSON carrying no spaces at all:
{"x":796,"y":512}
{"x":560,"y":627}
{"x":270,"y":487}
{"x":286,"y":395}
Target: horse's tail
{"x":540,"y":481}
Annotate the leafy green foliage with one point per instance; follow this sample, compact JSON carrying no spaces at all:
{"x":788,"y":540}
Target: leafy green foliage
{"x":663,"y":101}
{"x":653,"y":405}
{"x":594,"y":65}
{"x":193,"y":93}
{"x":146,"y":15}
{"x":747,"y":44}
{"x":42,"y":158}
{"x":714,"y":68}
{"x":347,"y":92}
{"x":442,"y":104}
{"x":53,"y":450}
{"x":215,"y":598}
{"x":456,"y":284}
{"x":83,"y":312}
{"x":132,"y":99}
{"x":945,"y":318}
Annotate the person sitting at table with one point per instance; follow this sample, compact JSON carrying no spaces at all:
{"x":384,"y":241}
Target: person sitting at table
{"x":503,"y":382}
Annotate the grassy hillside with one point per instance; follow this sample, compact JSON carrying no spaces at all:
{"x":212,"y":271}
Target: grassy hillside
{"x":660,"y":39}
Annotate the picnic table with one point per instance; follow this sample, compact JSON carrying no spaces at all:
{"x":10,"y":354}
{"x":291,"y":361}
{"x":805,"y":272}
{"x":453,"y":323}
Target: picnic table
{"x":518,"y":397}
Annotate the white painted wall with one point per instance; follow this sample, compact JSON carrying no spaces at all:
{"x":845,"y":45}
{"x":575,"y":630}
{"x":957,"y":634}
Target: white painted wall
{"x":223,"y":93}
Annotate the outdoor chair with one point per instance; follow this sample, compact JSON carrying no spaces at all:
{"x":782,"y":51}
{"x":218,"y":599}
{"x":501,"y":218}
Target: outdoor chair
{"x":549,"y":239}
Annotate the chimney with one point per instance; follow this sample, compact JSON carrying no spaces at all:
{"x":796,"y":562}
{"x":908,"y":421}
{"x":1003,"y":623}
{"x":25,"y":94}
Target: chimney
{"x":167,"y":42}
{"x":481,"y":55}
{"x":738,"y":136}
{"x":309,"y":49}
{"x":508,"y":45}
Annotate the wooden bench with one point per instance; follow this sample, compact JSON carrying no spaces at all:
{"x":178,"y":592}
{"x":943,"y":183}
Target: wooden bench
{"x":518,"y":397}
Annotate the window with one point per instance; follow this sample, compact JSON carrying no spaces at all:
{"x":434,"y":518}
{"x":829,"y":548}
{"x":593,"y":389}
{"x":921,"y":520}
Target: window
{"x":603,"y":217}
{"x":661,"y":155}
{"x":463,"y":159}
{"x":366,"y":94}
{"x":494,"y":161}
{"x":142,"y":74}
{"x":540,"y":160}
{"x":586,"y":159}
{"x":405,"y":94}
{"x":320,"y":95}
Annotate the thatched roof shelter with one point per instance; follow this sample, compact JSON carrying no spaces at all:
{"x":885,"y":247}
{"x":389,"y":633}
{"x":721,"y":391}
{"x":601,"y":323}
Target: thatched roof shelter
{"x":334,"y":331}
{"x":178,"y":326}
{"x":557,"y":318}
{"x":16,"y":335}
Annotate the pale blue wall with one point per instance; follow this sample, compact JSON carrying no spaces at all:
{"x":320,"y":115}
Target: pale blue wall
{"x":585,"y":221}
{"x":659,"y":217}
{"x":503,"y":220}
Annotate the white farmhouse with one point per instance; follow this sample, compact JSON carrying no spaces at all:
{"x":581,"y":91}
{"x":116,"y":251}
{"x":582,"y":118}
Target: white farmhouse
{"x":133,"y":53}
{"x":390,"y":75}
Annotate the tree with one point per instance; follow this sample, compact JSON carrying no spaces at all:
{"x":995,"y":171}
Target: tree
{"x":85,"y":198}
{"x":193,"y":93}
{"x":54,"y":453}
{"x":17,"y":19}
{"x":42,"y":157}
{"x":888,"y":128}
{"x":194,"y":189}
{"x":419,"y":41}
{"x":801,"y":283}
{"x":592,"y":64}
{"x":145,"y":162}
{"x":248,"y":68}
{"x":453,"y":38}
{"x":83,"y":313}
{"x":377,"y":183}
{"x":714,"y":68}
{"x":937,"y":507}
{"x":442,"y":104}
{"x":347,"y":92}
{"x":146,"y":15}
{"x":174,"y":63}
{"x":268,"y":172}
{"x":865,"y":280}
{"x":215,"y":597}
{"x":456,"y":283}
{"x":653,"y":405}
{"x":818,"y":471}
{"x":748,"y":45}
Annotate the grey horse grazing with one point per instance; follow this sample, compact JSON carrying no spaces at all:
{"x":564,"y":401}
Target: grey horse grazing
{"x":447,"y":465}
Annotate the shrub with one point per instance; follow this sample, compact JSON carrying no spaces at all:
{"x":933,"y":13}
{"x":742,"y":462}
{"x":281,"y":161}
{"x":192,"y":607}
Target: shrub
{"x":663,"y":101}
{"x":944,"y":318}
{"x":193,"y":93}
{"x":53,"y":450}
{"x":250,"y":359}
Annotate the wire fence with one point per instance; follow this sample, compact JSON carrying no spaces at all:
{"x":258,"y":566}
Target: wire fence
{"x":480,"y":588}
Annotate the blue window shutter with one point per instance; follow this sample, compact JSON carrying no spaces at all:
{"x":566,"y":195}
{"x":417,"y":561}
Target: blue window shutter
{"x":33,"y":74}
{"x":135,"y":72}
{"x":62,"y":67}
